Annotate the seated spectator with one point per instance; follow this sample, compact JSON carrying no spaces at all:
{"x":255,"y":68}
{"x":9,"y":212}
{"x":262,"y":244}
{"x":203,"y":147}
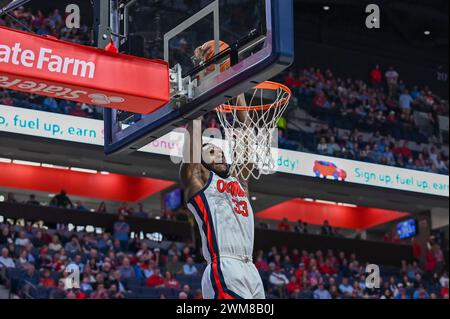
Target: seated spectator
{"x":100,"y":293}
{"x":278,"y":280}
{"x":187,"y":290}
{"x":47,"y":281}
{"x":189,"y":268}
{"x":405,"y":100}
{"x":292,"y":81}
{"x":22,"y":240}
{"x":174,"y":266}
{"x":32,"y":201}
{"x":61,"y":200}
{"x":319,"y":100}
{"x":5,"y":262}
{"x":10,"y":198}
{"x":293,"y":287}
{"x":140,"y":213}
{"x":80,"y":207}
{"x":30,"y":278}
{"x":300,"y":227}
{"x":114,"y":293}
{"x":345,"y":288}
{"x":73,"y":246}
{"x":333,"y":149}
{"x":322,"y":147}
{"x":327,"y":268}
{"x":326,"y":229}
{"x":284,"y":225}
{"x":421,"y":293}
{"x":85,"y":285}
{"x":60,"y":291}
{"x":170,"y":281}
{"x":55,"y":245}
{"x":321,"y":292}
{"x":105,"y":243}
{"x":183,"y":296}
{"x":155,"y":280}
{"x":126,"y":270}
{"x":261,"y":264}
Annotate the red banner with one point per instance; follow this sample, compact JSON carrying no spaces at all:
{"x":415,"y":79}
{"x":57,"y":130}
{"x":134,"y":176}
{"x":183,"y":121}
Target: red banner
{"x":46,"y":66}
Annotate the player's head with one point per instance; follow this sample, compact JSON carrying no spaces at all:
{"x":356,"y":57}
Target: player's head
{"x":213,"y":158}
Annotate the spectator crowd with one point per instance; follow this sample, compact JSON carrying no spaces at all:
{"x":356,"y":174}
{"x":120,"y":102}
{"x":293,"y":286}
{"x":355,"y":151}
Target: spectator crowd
{"x":36,"y":263}
{"x":373,"y":122}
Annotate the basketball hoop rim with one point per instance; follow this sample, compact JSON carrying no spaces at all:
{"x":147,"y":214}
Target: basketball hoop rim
{"x":266,"y":85}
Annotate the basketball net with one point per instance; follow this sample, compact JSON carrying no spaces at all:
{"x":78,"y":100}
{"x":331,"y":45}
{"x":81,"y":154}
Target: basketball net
{"x":250,"y":137}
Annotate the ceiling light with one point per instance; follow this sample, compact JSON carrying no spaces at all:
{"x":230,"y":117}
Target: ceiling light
{"x":83,"y":170}
{"x":26,"y":163}
{"x":325,"y":202}
{"x":348,"y":205}
{"x":54,"y":166}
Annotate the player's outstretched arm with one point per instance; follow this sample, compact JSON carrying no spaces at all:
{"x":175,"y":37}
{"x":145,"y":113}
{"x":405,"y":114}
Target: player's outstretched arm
{"x":243,"y":117}
{"x":191,"y":169}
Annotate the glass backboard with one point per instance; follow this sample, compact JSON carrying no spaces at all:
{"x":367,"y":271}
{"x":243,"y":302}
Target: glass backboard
{"x":259,"y":42}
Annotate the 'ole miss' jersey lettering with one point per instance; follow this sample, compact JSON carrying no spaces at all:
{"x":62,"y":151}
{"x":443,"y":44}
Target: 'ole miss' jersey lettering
{"x":225,"y":218}
{"x":233,"y":188}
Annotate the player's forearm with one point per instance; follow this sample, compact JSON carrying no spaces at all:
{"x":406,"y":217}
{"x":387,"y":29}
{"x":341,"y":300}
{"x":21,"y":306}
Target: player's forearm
{"x":193,"y":142}
{"x":241,"y":114}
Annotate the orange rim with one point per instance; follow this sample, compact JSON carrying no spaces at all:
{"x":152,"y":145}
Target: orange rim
{"x":267,"y":85}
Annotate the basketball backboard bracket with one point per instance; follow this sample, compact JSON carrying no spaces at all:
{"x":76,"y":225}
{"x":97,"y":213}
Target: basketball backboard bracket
{"x":254,"y":58}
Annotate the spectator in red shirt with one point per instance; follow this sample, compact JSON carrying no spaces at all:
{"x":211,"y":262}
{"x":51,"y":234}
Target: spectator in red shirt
{"x":444,"y":291}
{"x":284,"y":225}
{"x":403,"y":150}
{"x":327,"y":268}
{"x":261,"y":264}
{"x":155,"y":280}
{"x":305,"y":259}
{"x":292,"y":81}
{"x":170,"y":281}
{"x":47,"y":281}
{"x":319,"y":100}
{"x":300,"y":271}
{"x":376,"y":76}
{"x":293,"y":287}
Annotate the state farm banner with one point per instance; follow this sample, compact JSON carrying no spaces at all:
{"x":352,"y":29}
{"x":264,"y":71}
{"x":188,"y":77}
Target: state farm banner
{"x":46,"y":66}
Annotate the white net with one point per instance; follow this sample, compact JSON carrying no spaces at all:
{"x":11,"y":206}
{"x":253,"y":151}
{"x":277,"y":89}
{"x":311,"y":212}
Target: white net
{"x":250,"y":128}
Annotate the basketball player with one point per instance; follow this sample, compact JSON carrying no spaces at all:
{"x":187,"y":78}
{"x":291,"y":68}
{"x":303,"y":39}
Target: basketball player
{"x":221,"y":206}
